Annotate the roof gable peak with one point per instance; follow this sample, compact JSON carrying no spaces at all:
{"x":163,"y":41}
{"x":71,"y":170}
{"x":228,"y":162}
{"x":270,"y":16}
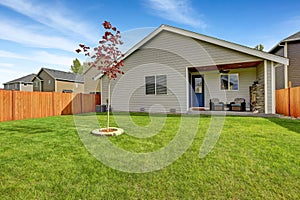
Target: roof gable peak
{"x":212,"y":40}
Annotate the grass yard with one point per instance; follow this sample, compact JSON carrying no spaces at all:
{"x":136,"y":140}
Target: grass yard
{"x":254,"y":158}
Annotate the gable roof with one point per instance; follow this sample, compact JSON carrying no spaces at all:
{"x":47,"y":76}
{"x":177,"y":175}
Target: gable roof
{"x":64,"y":76}
{"x":292,"y":38}
{"x":205,"y":38}
{"x":25,"y":79}
{"x":212,"y":40}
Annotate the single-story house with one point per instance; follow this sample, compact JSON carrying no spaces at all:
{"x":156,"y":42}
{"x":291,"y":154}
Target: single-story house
{"x":51,"y":80}
{"x":21,"y":84}
{"x":289,"y":48}
{"x":175,"y":70}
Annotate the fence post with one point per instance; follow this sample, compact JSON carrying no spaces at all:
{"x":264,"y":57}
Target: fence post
{"x":53,"y":110}
{"x":289,"y":101}
{"x":13,"y":105}
{"x":81,"y":103}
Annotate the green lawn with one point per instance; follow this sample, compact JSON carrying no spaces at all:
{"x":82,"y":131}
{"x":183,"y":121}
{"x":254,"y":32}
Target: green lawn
{"x":254,"y":158}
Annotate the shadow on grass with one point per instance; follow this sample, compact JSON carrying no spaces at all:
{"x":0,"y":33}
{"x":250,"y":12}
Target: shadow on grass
{"x":290,"y":124}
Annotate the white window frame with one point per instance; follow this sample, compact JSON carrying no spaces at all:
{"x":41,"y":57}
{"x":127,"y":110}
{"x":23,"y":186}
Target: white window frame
{"x":155,"y":84}
{"x":228,"y":86}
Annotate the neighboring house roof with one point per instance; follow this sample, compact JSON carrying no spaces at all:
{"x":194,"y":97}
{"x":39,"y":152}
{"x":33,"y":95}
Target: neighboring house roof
{"x":64,"y":76}
{"x":212,"y":40}
{"x":24,"y":79}
{"x":292,"y":38}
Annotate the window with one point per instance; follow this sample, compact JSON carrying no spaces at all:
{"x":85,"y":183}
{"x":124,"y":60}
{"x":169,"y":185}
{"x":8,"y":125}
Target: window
{"x":16,"y":86}
{"x":161,"y":84}
{"x":49,"y":82}
{"x":156,"y":84}
{"x":36,"y":84}
{"x":150,"y":84}
{"x":229,"y":82}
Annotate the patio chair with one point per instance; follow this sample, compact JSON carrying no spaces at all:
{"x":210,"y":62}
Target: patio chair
{"x":215,"y":104}
{"x":239,"y":104}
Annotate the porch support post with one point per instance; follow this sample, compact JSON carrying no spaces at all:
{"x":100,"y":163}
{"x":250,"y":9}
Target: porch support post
{"x":266,"y":84}
{"x":187,"y":88}
{"x":273,"y":88}
{"x":269,"y":79}
{"x":286,"y":79}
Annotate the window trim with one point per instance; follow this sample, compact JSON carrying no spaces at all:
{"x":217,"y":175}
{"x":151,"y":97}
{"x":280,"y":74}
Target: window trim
{"x":238,"y":82}
{"x":155,"y":84}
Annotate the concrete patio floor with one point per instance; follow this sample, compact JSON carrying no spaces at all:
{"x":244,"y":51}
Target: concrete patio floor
{"x":234,"y":113}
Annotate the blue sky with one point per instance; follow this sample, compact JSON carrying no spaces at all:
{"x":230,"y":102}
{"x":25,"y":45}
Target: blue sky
{"x":38,"y":33}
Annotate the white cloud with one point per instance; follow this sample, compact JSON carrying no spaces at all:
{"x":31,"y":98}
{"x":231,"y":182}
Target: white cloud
{"x":6,"y":65}
{"x":8,"y":54}
{"x":15,"y":32}
{"x":45,"y":57}
{"x":41,"y":57}
{"x":179,"y":11}
{"x":52,"y":15}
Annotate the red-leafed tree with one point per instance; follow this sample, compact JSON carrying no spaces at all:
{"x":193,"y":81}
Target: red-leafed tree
{"x":106,"y":57}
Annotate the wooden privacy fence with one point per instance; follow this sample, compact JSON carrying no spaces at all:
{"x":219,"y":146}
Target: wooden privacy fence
{"x":16,"y":105}
{"x":288,"y":102}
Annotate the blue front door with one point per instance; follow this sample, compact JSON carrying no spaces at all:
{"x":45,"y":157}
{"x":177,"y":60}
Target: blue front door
{"x":198,"y":91}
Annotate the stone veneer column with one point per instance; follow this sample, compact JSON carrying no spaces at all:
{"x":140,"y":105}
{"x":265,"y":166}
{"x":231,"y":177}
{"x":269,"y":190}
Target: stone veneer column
{"x":257,"y":97}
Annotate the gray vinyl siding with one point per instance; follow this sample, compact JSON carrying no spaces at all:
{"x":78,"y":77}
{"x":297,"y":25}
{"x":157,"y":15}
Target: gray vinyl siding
{"x":129,"y":93}
{"x":260,"y":74}
{"x":26,"y":87}
{"x":213,"y":85}
{"x":91,"y":85}
{"x":195,"y":52}
{"x":294,"y":67}
{"x":279,"y":51}
{"x":279,"y":71}
{"x":279,"y":74}
{"x":104,"y":89}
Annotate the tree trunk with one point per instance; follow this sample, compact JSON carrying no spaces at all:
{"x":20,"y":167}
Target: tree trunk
{"x":108,"y":104}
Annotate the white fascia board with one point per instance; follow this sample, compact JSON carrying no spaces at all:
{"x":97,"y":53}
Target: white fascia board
{"x":99,"y":76}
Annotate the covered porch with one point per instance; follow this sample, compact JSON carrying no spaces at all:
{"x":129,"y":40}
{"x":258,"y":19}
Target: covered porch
{"x":253,"y":81}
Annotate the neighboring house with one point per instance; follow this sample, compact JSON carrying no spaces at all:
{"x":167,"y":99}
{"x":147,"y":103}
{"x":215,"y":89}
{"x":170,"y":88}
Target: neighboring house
{"x":175,"y":70}
{"x":50,"y":80}
{"x":91,"y":84}
{"x":289,"y":48}
{"x":22,"y":84}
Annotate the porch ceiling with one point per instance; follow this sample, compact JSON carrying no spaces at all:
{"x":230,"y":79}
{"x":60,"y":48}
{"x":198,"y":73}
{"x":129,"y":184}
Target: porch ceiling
{"x":225,"y":66}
